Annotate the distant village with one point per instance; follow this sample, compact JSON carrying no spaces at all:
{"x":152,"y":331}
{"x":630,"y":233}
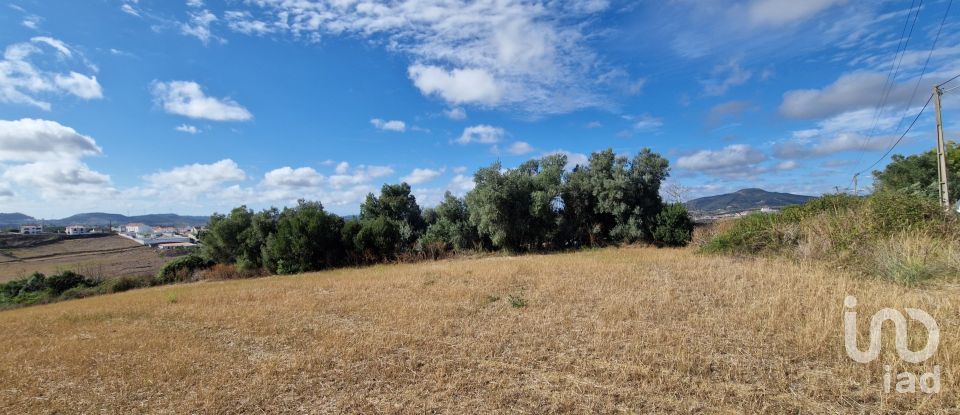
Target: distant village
{"x":160,"y":237}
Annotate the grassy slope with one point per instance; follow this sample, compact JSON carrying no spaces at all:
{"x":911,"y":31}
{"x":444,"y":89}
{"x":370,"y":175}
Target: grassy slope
{"x":633,"y":329}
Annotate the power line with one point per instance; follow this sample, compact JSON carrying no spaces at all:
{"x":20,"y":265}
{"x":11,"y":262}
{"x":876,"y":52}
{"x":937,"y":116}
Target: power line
{"x":913,"y":95}
{"x":889,"y":83}
{"x":949,"y":80}
{"x":899,"y":139}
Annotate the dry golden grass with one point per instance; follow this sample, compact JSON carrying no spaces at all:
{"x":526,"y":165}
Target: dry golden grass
{"x":618,"y":330}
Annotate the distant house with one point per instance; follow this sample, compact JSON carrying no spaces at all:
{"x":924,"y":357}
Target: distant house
{"x":78,"y":230}
{"x":165,"y":230}
{"x":31,"y":229}
{"x":138,"y":229}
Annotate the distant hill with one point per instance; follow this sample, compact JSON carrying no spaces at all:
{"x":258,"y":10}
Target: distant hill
{"x":744,"y":200}
{"x":15,"y":218}
{"x":100,"y":218}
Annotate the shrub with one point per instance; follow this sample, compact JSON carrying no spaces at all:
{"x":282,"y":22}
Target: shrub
{"x":66,"y":280}
{"x":181,"y":269}
{"x":121,"y":284}
{"x":378,"y":239}
{"x":673,"y":226}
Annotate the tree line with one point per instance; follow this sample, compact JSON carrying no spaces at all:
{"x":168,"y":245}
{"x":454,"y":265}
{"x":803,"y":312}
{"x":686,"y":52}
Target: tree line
{"x":537,"y":206}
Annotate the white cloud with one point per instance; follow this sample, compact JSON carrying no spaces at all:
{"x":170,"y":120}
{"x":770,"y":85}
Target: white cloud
{"x":471,"y":86}
{"x":839,"y":143}
{"x":128,"y":9}
{"x":187,"y":128}
{"x":520,"y":148}
{"x":190,"y":181}
{"x":32,"y":22}
{"x":647,"y":123}
{"x":419,"y":176}
{"x":243,"y":22}
{"x":187,"y":98}
{"x":82,"y":86}
{"x":529,"y":55}
{"x":853,"y":91}
{"x":33,"y":140}
{"x":290,"y":177}
{"x":199,"y":26}
{"x":725,"y":77}
{"x":21,"y":82}
{"x":392,"y":125}
{"x":782,"y":12}
{"x":54,"y":43}
{"x":848,"y":131}
{"x":735,"y":159}
{"x":45,"y":158}
{"x":456,"y":113}
{"x":342,"y":167}
{"x":483,"y":134}
{"x":58,"y":178}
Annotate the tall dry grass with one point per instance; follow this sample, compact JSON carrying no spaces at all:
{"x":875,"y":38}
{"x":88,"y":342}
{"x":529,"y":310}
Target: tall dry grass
{"x":639,"y":330}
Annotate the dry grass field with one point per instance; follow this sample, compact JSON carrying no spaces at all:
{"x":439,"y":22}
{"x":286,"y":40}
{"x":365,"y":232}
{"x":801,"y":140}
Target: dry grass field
{"x":101,"y":258}
{"x":636,"y":330}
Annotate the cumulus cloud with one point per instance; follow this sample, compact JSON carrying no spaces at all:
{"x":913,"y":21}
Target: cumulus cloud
{"x":853,"y":91}
{"x":461,"y":184}
{"x":199,"y":25}
{"x":45,"y":156}
{"x":392,"y":125}
{"x":419,"y":176}
{"x":529,"y":55}
{"x":21,"y":82}
{"x":82,"y":86}
{"x":59,"y":178}
{"x":188,"y":99}
{"x":861,"y":130}
{"x":192,"y":180}
{"x":33,"y":140}
{"x":839,"y":143}
{"x":456,"y":113}
{"x":520,"y":148}
{"x":733,"y":160}
{"x":290,"y":177}
{"x":483,"y":134}
{"x":187,"y":128}
{"x":458,"y":86}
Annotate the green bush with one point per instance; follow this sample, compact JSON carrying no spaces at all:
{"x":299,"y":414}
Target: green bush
{"x":121,"y":284}
{"x":378,"y":239}
{"x":673,"y":226}
{"x":750,"y":234}
{"x":181,"y":269}
{"x":58,"y":284}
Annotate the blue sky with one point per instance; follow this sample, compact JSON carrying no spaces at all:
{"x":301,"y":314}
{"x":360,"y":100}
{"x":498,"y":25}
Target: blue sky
{"x":193,"y":106}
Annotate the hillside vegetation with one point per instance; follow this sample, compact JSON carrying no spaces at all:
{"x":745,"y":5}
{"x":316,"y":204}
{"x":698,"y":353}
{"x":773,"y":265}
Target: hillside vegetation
{"x":616,"y":330}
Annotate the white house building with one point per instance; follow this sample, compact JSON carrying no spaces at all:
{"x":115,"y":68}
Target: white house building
{"x":31,"y":229}
{"x":138,"y":229}
{"x":77,"y":230}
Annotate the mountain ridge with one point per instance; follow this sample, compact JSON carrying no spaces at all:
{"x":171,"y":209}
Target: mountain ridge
{"x":102,"y":218}
{"x":745,"y":200}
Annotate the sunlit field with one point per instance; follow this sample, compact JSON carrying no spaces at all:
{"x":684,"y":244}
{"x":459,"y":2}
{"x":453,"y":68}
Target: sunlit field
{"x":613,"y":330}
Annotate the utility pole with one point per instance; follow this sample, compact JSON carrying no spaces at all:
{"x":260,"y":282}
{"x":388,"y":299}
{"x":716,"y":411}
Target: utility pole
{"x":856,"y":190}
{"x":941,"y":153}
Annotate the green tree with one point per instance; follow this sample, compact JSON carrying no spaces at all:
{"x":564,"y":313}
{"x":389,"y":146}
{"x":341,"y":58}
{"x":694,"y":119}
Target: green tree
{"x":450,"y":227}
{"x":674,"y":226}
{"x":239,"y":237}
{"x":378,"y":239}
{"x":398,"y":204}
{"x":917,"y":174}
{"x":307,"y":238}
{"x":518,"y":209}
{"x":614,"y":199}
